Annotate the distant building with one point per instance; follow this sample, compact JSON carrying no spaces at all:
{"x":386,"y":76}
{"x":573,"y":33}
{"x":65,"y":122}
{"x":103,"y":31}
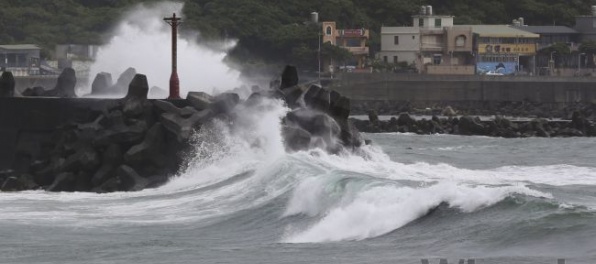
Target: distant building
{"x":76,"y":52}
{"x":21,"y":60}
{"x":550,"y":35}
{"x":586,"y":26}
{"x":354,"y":40}
{"x":433,"y":44}
{"x":76,"y":56}
{"x":503,"y":49}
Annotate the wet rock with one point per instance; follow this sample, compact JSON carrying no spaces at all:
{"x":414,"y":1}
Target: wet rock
{"x":224,"y":103}
{"x":184,"y":127}
{"x":321,"y":101}
{"x":317,"y":124}
{"x":448,"y":111}
{"x":65,"y":86}
{"x":405,"y":119}
{"x":150,"y":149}
{"x":135,"y":107}
{"x":340,"y":107}
{"x":12,"y":184}
{"x":373,"y":117}
{"x":35,"y":91}
{"x":111,"y":185}
{"x":105,"y":172}
{"x":7,"y":85}
{"x":129,"y":179}
{"x":101,"y":84}
{"x":168,"y":107}
{"x":200,"y":100}
{"x":138,"y":87}
{"x":85,"y":159}
{"x":311,"y":93}
{"x":293,"y":95}
{"x":296,"y":138}
{"x":123,"y":81}
{"x":83,"y":182}
{"x":47,"y":175}
{"x":64,"y":182}
{"x":471,"y":126}
{"x":122,"y":134}
{"x":289,"y":77}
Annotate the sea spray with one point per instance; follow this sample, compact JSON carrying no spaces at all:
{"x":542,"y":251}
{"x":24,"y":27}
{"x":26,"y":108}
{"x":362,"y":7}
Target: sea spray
{"x":143,"y":40}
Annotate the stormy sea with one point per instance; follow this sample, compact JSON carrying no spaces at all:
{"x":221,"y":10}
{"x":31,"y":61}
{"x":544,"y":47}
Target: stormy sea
{"x":405,"y":198}
{"x":244,"y":199}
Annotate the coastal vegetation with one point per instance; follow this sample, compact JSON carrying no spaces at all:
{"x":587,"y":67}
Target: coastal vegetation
{"x":268,"y":31}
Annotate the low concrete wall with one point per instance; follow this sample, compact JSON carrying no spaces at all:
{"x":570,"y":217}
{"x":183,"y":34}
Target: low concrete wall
{"x":450,"y":69}
{"x":445,"y":88}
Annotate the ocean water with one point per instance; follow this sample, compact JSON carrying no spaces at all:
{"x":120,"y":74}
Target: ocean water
{"x":243,"y":199}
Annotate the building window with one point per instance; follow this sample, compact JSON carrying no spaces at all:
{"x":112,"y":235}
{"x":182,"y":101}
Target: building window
{"x":385,"y":59}
{"x":394,"y":59}
{"x":420,"y":22}
{"x":413,"y":37}
{"x":460,"y":41}
{"x":353,"y":42}
{"x":437,"y":22}
{"x":328,"y":31}
{"x":437,"y":59}
{"x":396,"y":40}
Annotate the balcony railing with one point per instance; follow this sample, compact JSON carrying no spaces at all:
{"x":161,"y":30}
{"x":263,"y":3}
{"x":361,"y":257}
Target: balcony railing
{"x":357,"y":50}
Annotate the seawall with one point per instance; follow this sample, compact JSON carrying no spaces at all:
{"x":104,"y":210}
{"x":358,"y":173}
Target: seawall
{"x":470,"y":89}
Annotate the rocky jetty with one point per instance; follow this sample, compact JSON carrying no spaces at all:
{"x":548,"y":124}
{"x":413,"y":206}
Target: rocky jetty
{"x":318,"y":117}
{"x":578,"y":126}
{"x":135,"y":143}
{"x":523,"y":109}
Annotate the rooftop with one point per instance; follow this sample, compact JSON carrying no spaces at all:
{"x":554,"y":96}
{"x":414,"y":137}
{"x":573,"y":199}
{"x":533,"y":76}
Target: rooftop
{"x":548,"y":29}
{"x":505,"y":31}
{"x":399,"y":30}
{"x":20,"y":47}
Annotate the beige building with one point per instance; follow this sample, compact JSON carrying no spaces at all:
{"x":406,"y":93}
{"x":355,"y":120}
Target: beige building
{"x":432,"y":43}
{"x":354,"y":40}
{"x":399,"y":44}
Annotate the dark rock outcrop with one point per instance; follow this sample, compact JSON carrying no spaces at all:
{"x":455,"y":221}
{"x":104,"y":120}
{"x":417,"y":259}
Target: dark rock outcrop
{"x":7,"y":85}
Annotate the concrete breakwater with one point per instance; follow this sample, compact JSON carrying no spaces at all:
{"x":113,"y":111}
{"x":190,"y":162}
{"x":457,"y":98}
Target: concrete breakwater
{"x":56,"y":142}
{"x":435,"y":88}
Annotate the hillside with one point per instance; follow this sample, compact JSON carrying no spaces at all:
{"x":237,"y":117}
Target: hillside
{"x":267,"y":30}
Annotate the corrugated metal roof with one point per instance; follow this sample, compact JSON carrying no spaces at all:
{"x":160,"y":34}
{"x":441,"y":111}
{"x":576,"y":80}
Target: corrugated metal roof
{"x":548,"y":29}
{"x":20,"y":47}
{"x":500,"y":31}
{"x":400,"y":30}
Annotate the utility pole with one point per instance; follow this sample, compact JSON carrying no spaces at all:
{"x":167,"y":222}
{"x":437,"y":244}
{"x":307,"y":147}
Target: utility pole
{"x":314,"y":16}
{"x":174,"y":81}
